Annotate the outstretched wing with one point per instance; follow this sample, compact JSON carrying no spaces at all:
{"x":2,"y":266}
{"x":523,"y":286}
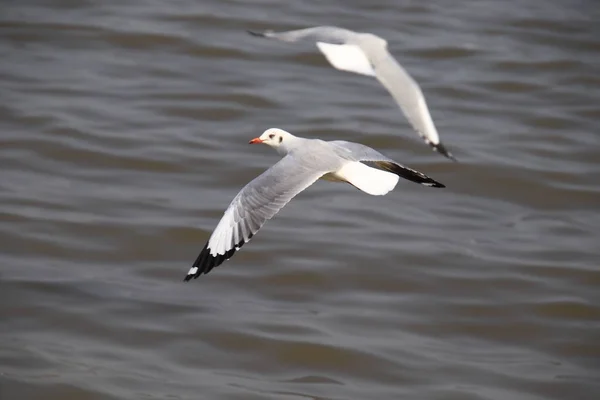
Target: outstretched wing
{"x":358,"y":152}
{"x":407,"y":93}
{"x":256,"y":203}
{"x":329,"y":34}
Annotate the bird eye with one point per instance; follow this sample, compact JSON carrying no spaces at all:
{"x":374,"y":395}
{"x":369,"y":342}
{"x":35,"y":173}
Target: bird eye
{"x":271,"y":136}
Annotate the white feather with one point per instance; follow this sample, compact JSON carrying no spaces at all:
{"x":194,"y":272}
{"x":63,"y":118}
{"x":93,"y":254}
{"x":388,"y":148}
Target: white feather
{"x":370,"y":180}
{"x":347,"y":57}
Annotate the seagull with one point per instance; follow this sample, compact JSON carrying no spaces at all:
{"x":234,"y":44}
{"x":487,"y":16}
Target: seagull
{"x":367,"y":54}
{"x":304,"y":162}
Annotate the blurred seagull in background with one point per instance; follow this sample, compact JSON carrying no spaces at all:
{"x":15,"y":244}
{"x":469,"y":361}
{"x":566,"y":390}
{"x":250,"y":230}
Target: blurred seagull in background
{"x":367,"y":54}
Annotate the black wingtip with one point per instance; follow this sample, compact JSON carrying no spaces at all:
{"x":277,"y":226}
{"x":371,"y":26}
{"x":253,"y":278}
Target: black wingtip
{"x":440,"y":148}
{"x":205,"y":261}
{"x":407,"y":173}
{"x":427,"y":181}
{"x":254,"y":33}
{"x":202,"y":265}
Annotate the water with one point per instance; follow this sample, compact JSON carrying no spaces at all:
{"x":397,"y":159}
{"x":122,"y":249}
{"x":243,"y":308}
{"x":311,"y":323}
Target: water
{"x":124,"y":130}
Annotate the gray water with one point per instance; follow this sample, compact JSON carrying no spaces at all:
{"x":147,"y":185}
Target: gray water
{"x":123,"y":137}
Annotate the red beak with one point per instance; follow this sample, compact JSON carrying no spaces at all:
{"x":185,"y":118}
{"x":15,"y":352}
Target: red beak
{"x":255,"y":140}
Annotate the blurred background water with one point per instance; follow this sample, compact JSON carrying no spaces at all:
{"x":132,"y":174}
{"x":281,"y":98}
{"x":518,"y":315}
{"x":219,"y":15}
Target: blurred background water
{"x":123,"y":137}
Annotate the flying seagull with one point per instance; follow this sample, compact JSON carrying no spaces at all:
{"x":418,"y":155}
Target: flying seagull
{"x":367,"y":54}
{"x":304,"y":162}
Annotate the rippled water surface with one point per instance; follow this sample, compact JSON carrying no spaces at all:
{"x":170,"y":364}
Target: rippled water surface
{"x":123,"y":137}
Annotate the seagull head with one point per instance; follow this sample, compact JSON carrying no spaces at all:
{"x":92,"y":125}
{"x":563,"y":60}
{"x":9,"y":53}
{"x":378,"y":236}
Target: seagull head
{"x":274,"y":137}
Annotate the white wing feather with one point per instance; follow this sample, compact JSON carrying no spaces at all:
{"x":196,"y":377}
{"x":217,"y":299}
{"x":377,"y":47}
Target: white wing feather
{"x":347,"y":57}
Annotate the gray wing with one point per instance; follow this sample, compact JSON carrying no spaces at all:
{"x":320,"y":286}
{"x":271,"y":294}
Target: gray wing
{"x":256,"y":203}
{"x":330,"y":34}
{"x":358,"y":152}
{"x":407,"y":93}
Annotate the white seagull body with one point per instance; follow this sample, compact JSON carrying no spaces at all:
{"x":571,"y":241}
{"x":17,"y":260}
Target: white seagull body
{"x":367,"y":54}
{"x":304,"y":162}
